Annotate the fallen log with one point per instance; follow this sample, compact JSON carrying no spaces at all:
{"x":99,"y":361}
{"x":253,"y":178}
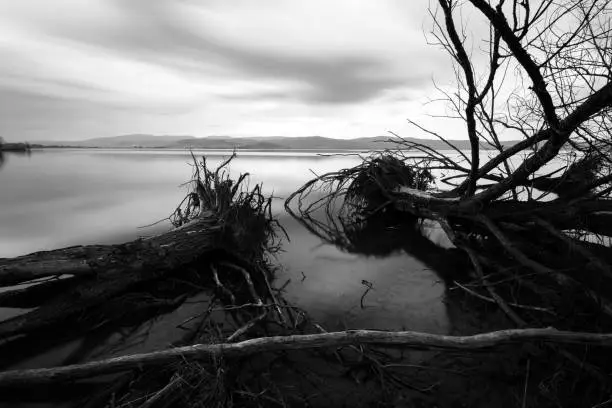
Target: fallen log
{"x":408,"y":339}
{"x":594,"y":215}
{"x":65,"y":261}
{"x":204,"y":221}
{"x":37,"y":293}
{"x":217,"y":217}
{"x":122,"y":266}
{"x":172,"y":248}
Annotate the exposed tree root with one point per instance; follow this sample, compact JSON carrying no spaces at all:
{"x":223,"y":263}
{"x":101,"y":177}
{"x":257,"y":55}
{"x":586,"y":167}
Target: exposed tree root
{"x":223,"y":234}
{"x":550,"y":255}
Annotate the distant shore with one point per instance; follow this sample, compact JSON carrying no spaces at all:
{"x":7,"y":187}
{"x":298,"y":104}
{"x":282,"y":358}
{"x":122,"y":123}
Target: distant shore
{"x":195,"y":148}
{"x":15,"y":147}
{"x":255,"y":143}
{"x":216,"y":149}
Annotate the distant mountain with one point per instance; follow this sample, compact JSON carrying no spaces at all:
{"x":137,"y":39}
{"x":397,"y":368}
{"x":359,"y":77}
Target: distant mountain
{"x":134,"y":140}
{"x":252,"y":143}
{"x":282,"y":143}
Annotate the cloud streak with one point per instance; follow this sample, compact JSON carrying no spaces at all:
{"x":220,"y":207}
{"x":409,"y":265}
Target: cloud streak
{"x":202,"y":66}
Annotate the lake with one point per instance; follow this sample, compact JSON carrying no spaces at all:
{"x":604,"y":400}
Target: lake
{"x":61,"y":197}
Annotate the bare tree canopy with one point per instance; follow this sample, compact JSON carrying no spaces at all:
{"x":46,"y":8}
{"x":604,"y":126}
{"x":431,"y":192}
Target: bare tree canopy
{"x":533,"y":218}
{"x":531,"y":226}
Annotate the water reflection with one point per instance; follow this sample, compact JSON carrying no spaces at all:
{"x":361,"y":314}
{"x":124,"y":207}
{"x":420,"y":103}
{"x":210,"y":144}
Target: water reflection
{"x":4,"y":155}
{"x":85,"y":196}
{"x":387,"y":231}
{"x":68,"y":197}
{"x":327,"y":280}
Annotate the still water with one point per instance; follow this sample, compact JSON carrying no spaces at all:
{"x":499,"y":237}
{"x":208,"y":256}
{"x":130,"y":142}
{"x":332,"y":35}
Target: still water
{"x":56,"y":198}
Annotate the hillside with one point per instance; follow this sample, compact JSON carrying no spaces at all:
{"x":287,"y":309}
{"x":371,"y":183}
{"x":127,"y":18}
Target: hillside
{"x":253,"y":143}
{"x":124,"y":141}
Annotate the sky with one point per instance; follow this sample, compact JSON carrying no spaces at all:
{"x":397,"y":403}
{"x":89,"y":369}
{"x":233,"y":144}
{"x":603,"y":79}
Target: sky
{"x":74,"y":69}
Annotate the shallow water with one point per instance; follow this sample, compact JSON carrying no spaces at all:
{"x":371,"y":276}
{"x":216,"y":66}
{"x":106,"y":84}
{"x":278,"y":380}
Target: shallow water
{"x":57,"y":198}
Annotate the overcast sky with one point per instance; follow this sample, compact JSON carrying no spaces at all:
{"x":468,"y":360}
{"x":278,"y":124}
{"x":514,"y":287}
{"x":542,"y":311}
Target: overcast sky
{"x":76,"y":69}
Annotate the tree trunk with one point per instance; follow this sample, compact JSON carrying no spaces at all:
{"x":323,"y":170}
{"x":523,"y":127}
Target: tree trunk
{"x":173,"y":248}
{"x":104,"y":272}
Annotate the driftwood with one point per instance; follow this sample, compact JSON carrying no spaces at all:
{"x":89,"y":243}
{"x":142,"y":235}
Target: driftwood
{"x":406,"y":339}
{"x":217,"y":220}
{"x":38,"y":293}
{"x":534,"y":219}
{"x":218,"y":251}
{"x":113,"y":273}
{"x":170,"y":249}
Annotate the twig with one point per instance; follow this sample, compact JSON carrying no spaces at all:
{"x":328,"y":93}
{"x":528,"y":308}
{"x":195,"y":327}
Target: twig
{"x":283,"y":286}
{"x":172,"y":386}
{"x":526,"y":384}
{"x":242,"y":330}
{"x":593,"y":371}
{"x":605,"y":304}
{"x":498,"y":299}
{"x":487,"y":299}
{"x":605,"y":269}
{"x":247,"y":305}
{"x":275,"y":304}
{"x":369,"y":286}
{"x":220,"y":285}
{"x":247,"y":278}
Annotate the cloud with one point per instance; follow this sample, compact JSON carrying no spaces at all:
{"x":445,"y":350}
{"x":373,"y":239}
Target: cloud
{"x":339,"y":80}
{"x":205,"y":64}
{"x":334,"y":62}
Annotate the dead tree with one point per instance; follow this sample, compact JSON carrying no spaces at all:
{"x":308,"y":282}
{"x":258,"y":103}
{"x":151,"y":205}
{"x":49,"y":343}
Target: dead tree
{"x":549,"y":212}
{"x":219,"y":221}
{"x":554,"y":185}
{"x":535,"y":217}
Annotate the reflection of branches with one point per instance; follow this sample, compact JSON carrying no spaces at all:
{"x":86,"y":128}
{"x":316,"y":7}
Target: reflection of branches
{"x":546,"y":77}
{"x":221,"y":226}
{"x":369,"y":286}
{"x":4,"y":154}
{"x":344,"y":201}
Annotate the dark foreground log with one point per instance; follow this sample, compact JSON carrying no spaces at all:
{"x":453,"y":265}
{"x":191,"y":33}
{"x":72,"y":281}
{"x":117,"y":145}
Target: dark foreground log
{"x":76,"y":286}
{"x":406,"y":339}
{"x":120,"y":267}
{"x":173,"y":248}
